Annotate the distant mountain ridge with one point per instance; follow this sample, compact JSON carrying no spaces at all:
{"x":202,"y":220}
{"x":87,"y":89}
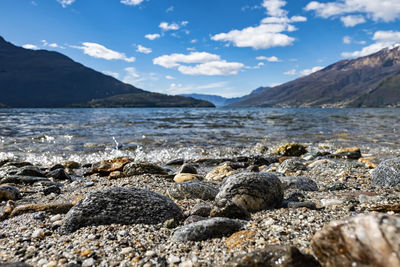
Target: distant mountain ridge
{"x":370,"y":81}
{"x":41,"y":78}
{"x":217,"y":100}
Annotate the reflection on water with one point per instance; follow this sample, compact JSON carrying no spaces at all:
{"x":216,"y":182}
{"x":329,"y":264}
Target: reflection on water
{"x":54,"y":135}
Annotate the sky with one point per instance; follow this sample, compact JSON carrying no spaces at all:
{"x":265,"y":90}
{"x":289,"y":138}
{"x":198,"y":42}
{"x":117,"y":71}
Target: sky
{"x":221,"y":47}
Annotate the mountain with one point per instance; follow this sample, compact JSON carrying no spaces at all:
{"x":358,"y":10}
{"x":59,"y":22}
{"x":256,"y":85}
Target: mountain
{"x":370,"y":81}
{"x":217,"y":100}
{"x":41,"y":78}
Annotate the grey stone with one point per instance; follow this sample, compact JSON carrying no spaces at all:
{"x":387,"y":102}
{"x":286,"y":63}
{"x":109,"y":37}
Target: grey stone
{"x":187,"y":168}
{"x":274,"y":256}
{"x":59,"y":174}
{"x":193,"y":219}
{"x":252,"y":191}
{"x":336,"y":187}
{"x":306,"y":204}
{"x":52,"y":189}
{"x":193,"y":190}
{"x":30,"y":171}
{"x":291,"y":165}
{"x":207,"y":229}
{"x":201,"y":209}
{"x":123,"y":206}
{"x":300,"y":182}
{"x":138,"y":168}
{"x":362,"y":240}
{"x":229,"y":209}
{"x":9,"y":192}
{"x":14,"y":264}
{"x":175,"y":162}
{"x":387,"y":173}
{"x":16,"y":179}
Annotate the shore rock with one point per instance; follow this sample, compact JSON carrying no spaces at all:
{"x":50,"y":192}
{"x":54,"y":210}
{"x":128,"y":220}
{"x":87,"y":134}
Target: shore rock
{"x":59,"y":174}
{"x":348,"y":153}
{"x":30,"y":171}
{"x":201,"y":209}
{"x":291,"y":165}
{"x":138,"y":168}
{"x":186,"y":177}
{"x":15,"y":179}
{"x":220,"y":172}
{"x":239,"y":239}
{"x":387,"y":173}
{"x":122,"y":206}
{"x":187,"y":168}
{"x":291,"y":150}
{"x":274,"y":256}
{"x":54,"y":208}
{"x":363,"y":240}
{"x":105,"y":167}
{"x":252,"y":191}
{"x":227,"y":209}
{"x":207,"y":229}
{"x":193,"y":190}
{"x":300,"y":182}
{"x":9,"y":192}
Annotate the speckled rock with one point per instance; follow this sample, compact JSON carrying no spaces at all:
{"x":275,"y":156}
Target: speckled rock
{"x":207,"y":229}
{"x":16,"y":179}
{"x":201,"y":209}
{"x":387,"y":173}
{"x":137,"y":168}
{"x":274,"y":256}
{"x":363,"y":240}
{"x":9,"y":192}
{"x":291,"y":165}
{"x":291,"y":150}
{"x":252,"y":191}
{"x":193,"y":190}
{"x":122,"y":206}
{"x":300,"y":182}
{"x":220,"y":172}
{"x":239,"y":239}
{"x":227,"y":208}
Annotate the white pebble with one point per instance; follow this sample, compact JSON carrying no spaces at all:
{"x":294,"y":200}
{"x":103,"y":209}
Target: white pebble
{"x":174,"y":259}
{"x":186,"y":264}
{"x":150,"y":253}
{"x":38,"y":233}
{"x":331,"y":202}
{"x":126,"y":250}
{"x":88,"y":262}
{"x":55,"y":218}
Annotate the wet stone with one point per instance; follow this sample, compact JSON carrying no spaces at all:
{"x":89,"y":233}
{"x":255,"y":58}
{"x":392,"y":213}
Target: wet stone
{"x":187,"y":168}
{"x":387,"y":173}
{"x":348,"y":153}
{"x":207,"y":229}
{"x":22,"y":179}
{"x":274,"y":256}
{"x":291,"y":165}
{"x":220,"y":172}
{"x":252,"y":191}
{"x":59,"y":174}
{"x":193,"y":190}
{"x":175,"y":162}
{"x":291,"y":150}
{"x":122,"y":206}
{"x":30,"y":171}
{"x":9,"y":192}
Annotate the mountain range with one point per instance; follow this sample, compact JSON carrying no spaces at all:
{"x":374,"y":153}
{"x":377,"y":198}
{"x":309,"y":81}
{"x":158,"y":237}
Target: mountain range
{"x":370,"y":81}
{"x":41,"y":78}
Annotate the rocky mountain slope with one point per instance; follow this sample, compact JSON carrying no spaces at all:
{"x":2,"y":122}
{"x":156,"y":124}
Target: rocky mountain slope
{"x":41,"y":78}
{"x":370,"y":81}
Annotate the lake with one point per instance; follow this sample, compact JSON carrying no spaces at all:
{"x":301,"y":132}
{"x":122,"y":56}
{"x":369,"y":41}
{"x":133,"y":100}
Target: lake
{"x":48,"y":136}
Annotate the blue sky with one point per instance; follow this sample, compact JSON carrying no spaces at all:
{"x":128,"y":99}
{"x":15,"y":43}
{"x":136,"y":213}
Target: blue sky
{"x":223,"y":47}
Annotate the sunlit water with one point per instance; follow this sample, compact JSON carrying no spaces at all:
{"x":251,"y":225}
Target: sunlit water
{"x":48,"y":136}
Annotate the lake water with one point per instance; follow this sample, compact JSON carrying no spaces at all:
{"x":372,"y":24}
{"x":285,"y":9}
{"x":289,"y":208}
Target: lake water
{"x":48,"y":136}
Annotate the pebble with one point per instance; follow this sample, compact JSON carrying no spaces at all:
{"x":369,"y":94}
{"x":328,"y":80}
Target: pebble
{"x":38,"y":233}
{"x":88,"y":262}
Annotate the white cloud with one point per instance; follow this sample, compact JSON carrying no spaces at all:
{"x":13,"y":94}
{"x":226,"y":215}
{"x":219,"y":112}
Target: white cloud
{"x":347,"y":40}
{"x":377,"y":10}
{"x":131,"y":2}
{"x":152,"y":36}
{"x":30,"y":46}
{"x":261,"y":37}
{"x":274,"y":7}
{"x":291,"y":72}
{"x":269,"y":59}
{"x":193,"y":41}
{"x":174,"y":60}
{"x":270,"y":31}
{"x":170,"y":9}
{"x":312,"y":70}
{"x":111,"y":73}
{"x":131,"y":76}
{"x":144,"y":50}
{"x":382,"y":40}
{"x":65,"y":3}
{"x":213,"y":68}
{"x":352,"y":20}
{"x":204,"y":64}
{"x":213,"y":85}
{"x":169,"y":27}
{"x":184,"y":23}
{"x":100,"y":51}
{"x":169,"y":77}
